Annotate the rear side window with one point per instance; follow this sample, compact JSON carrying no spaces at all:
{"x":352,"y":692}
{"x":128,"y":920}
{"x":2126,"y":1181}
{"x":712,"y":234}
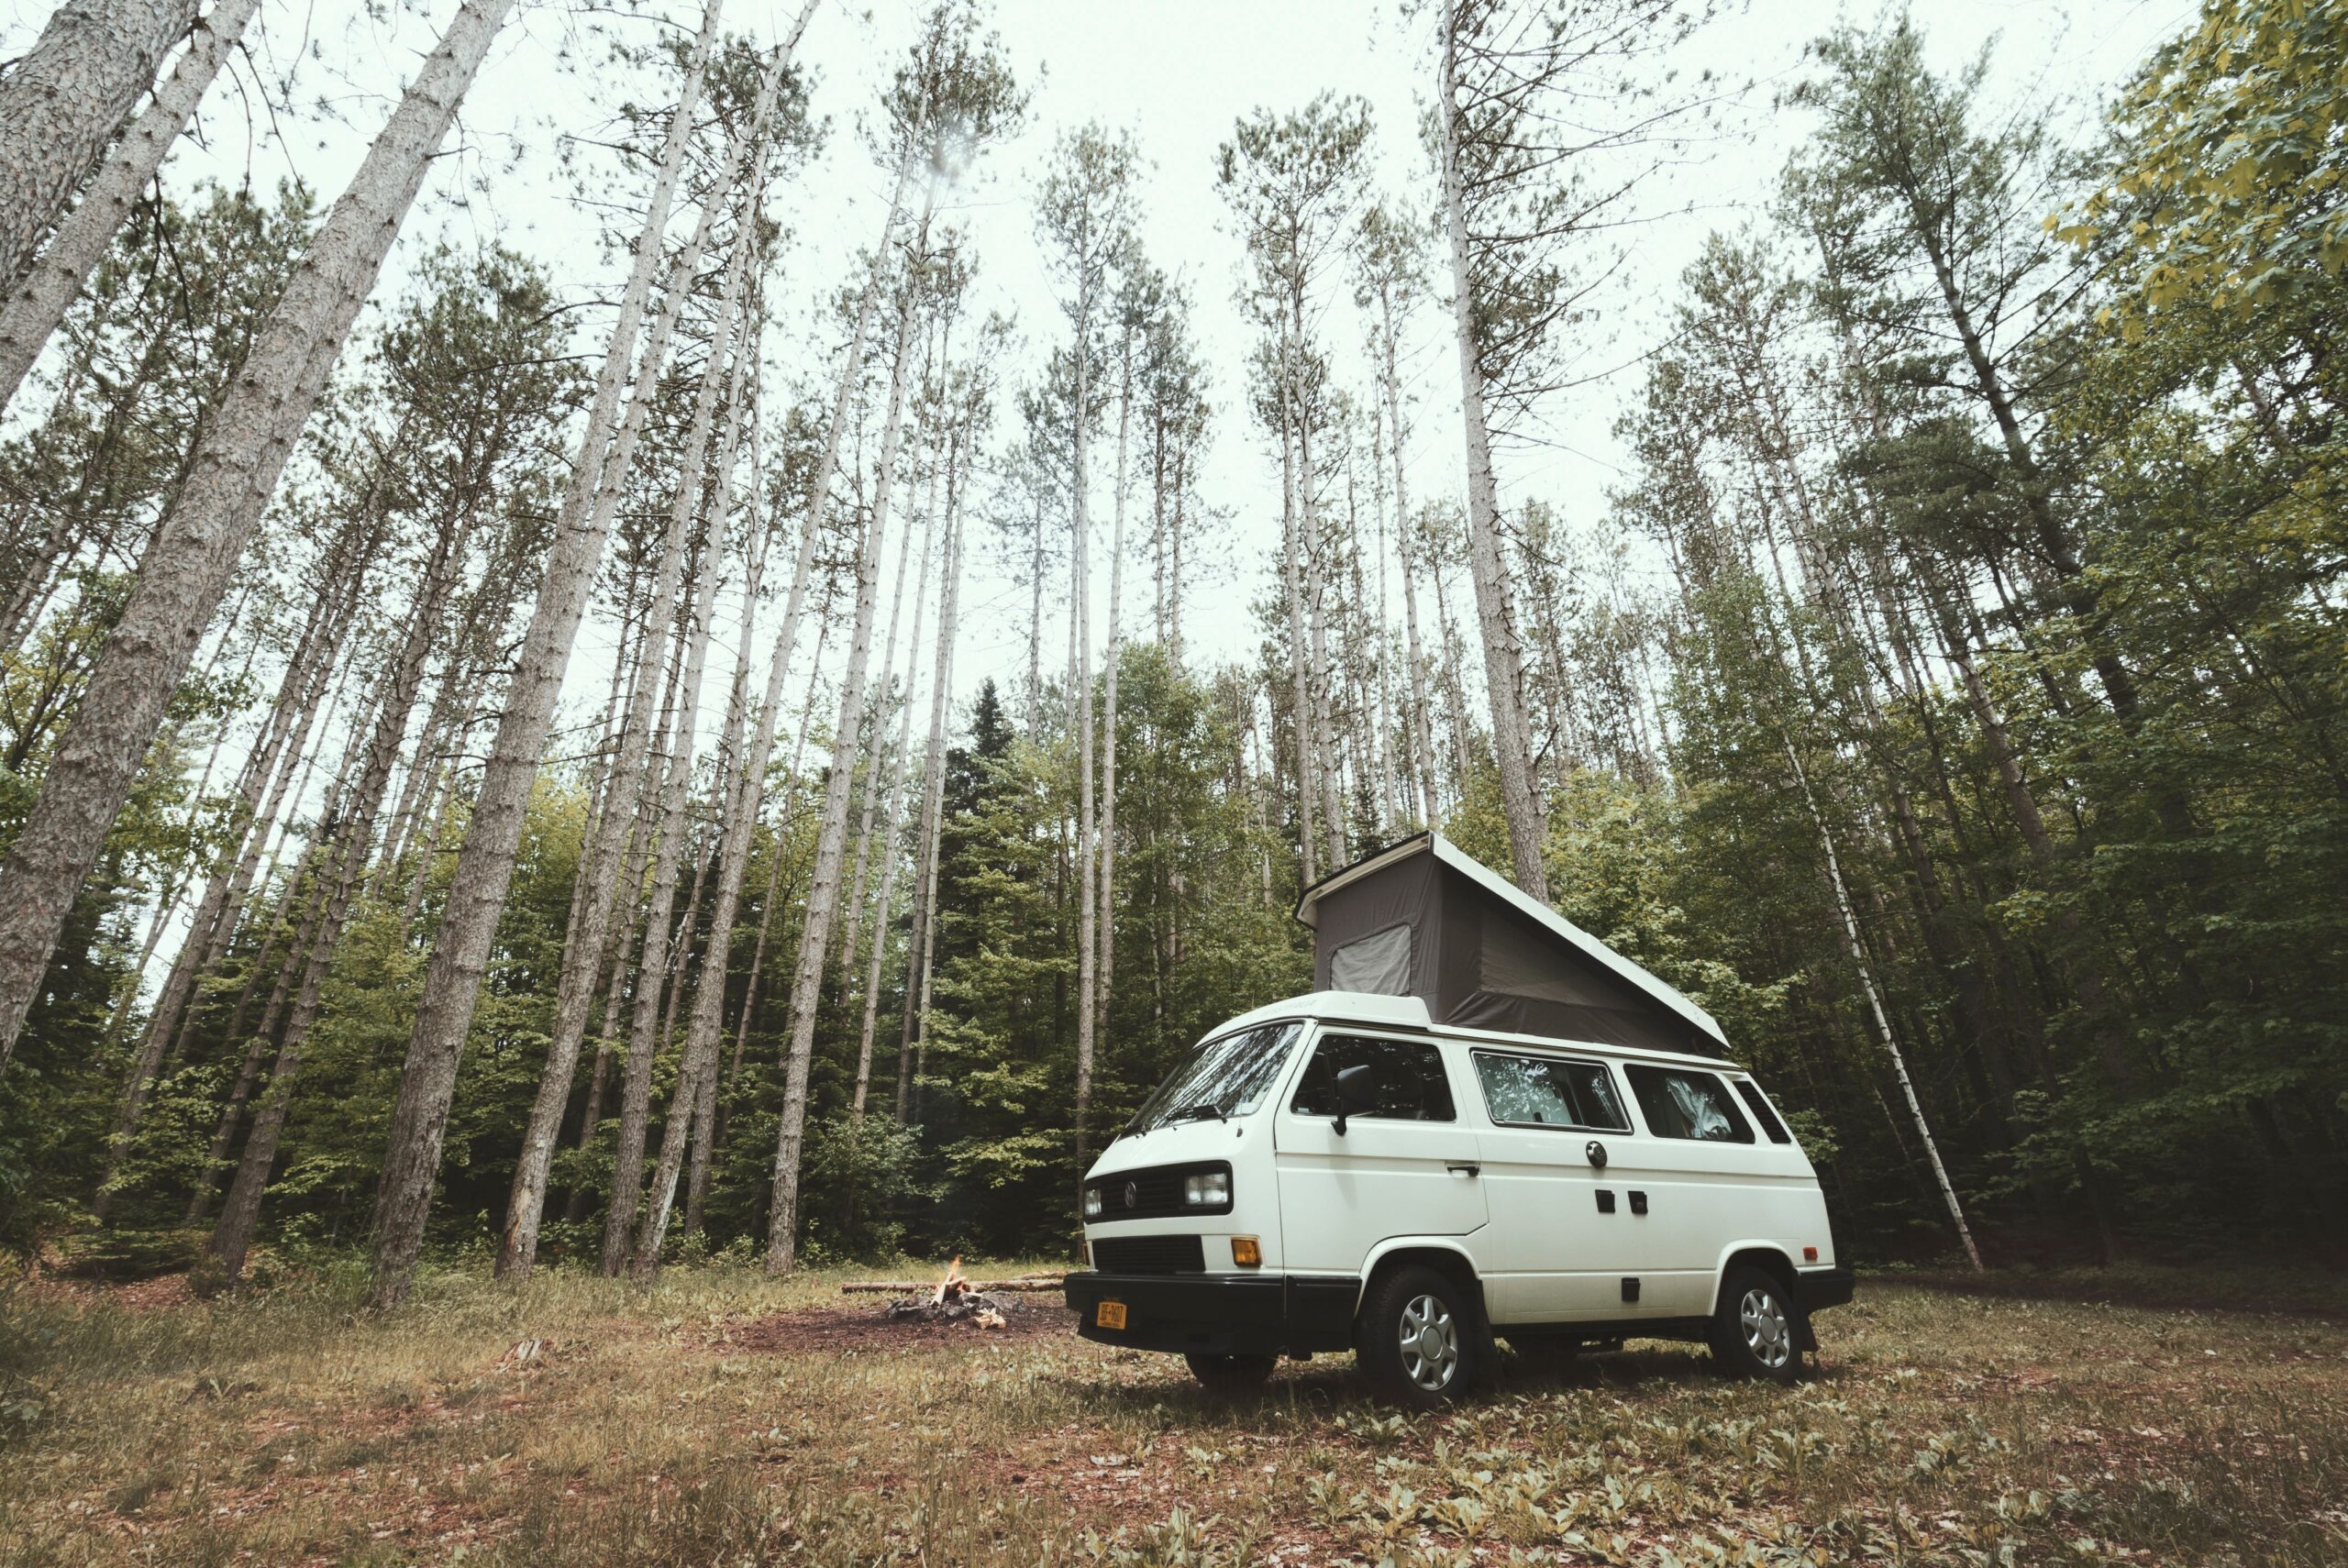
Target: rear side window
{"x":1750,"y":1092}
{"x":1406,"y":1074}
{"x":1679,"y":1103}
{"x":1541,"y":1091}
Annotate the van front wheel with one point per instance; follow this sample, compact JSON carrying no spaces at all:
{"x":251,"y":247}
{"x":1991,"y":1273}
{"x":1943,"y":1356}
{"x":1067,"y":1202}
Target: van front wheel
{"x":1417,"y":1342}
{"x":1757,"y":1331}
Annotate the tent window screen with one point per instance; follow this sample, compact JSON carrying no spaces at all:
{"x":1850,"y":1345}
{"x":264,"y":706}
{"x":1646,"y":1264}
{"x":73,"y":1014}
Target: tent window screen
{"x":1378,"y":962}
{"x":1406,"y":1075}
{"x":1681,"y":1104}
{"x":1541,"y":1091}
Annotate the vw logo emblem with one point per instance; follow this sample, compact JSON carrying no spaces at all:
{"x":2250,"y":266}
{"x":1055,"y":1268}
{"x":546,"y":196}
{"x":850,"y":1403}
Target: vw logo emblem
{"x":1133,"y":1195}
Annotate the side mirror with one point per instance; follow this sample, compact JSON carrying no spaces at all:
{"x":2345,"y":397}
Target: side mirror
{"x":1356,"y":1091}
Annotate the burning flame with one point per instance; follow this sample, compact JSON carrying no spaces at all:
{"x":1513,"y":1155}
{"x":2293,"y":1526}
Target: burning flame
{"x":951,"y":1283}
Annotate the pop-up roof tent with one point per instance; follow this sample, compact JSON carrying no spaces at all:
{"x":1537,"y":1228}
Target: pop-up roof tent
{"x":1423,"y":919}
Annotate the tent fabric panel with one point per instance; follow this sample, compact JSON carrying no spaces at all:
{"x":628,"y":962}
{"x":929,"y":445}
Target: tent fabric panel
{"x":1419,"y":926}
{"x":1401,"y":895}
{"x":1378,"y":962}
{"x":1501,"y":972}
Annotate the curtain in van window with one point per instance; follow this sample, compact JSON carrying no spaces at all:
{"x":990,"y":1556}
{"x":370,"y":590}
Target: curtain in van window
{"x":1681,"y":1104}
{"x":1380,"y":963}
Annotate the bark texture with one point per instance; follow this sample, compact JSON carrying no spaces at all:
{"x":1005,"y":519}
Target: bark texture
{"x":38,"y":301}
{"x":231,"y":475}
{"x":63,"y":101}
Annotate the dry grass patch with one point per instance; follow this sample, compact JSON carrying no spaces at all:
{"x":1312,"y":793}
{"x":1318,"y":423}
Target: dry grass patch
{"x":722,"y":1419}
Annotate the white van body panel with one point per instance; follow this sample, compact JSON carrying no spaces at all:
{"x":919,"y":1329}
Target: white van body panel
{"x":1344,"y":1195}
{"x":1521,"y":1205}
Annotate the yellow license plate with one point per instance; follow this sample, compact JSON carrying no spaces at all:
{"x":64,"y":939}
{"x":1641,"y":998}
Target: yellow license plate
{"x":1110,"y":1315}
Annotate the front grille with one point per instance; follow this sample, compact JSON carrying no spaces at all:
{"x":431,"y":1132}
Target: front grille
{"x":1150,"y":1254}
{"x":1156,"y":1193}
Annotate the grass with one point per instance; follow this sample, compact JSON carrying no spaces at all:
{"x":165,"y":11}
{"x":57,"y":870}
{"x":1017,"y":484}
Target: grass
{"x":685,"y":1425}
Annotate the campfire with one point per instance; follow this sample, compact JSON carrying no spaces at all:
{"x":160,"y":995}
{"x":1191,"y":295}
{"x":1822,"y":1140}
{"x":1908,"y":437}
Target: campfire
{"x":955,"y":1300}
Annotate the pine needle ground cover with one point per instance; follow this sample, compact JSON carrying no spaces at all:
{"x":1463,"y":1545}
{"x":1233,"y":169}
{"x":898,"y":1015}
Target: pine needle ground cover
{"x":721,"y":1418}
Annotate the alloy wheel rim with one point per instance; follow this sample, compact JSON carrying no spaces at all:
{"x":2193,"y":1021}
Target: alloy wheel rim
{"x":1430,"y":1344}
{"x":1768,"y":1334}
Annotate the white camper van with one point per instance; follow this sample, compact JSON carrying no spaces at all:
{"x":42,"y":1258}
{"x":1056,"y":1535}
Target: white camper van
{"x":1486,"y":1124}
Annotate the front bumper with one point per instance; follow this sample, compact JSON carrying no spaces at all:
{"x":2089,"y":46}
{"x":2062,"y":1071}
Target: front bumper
{"x":1219,"y":1314}
{"x":1825,"y":1287}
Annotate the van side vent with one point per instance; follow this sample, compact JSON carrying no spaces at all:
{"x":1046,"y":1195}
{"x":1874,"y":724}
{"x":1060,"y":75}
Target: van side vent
{"x":1638,"y":1202}
{"x":1630,"y":1289}
{"x":1606,"y":1200}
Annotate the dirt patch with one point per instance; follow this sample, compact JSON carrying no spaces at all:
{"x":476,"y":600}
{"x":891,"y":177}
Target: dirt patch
{"x":859,"y":1329}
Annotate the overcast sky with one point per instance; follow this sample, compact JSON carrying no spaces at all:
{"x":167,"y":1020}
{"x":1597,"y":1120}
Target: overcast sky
{"x":1176,"y":74}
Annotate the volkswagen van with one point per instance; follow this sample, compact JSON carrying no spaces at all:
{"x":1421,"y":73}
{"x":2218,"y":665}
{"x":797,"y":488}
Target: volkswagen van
{"x":1348,"y":1171}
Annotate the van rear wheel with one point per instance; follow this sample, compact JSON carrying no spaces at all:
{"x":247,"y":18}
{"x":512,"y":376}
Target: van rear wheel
{"x":1232,"y":1373}
{"x":1757,"y":1328}
{"x":1417,"y":1340}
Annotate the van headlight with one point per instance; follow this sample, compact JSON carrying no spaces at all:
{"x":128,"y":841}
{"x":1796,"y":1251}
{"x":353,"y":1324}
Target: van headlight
{"x":1092,"y":1203}
{"x":1207,"y":1189}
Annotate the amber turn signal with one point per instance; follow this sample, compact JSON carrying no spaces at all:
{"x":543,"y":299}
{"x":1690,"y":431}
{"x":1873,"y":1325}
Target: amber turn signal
{"x":1246,"y":1253}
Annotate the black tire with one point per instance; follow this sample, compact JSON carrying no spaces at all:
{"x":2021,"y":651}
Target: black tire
{"x":1418,"y":1340}
{"x":1757,"y":1328}
{"x":1232,"y":1373}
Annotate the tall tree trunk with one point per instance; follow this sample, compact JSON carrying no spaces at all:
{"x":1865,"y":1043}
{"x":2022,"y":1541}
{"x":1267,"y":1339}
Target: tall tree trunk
{"x":774,"y":896}
{"x":920,"y":941}
{"x":1302,"y":705}
{"x":892,"y":820}
{"x":886,"y":691}
{"x":1080,"y":696}
{"x":1382,"y":647}
{"x":692,"y":1110}
{"x":1503,"y":660}
{"x":38,"y":300}
{"x":583,"y":956}
{"x":232,"y":473}
{"x":1328,"y":760}
{"x":63,"y":101}
{"x":831,"y":834}
{"x":588,"y":936}
{"x":232,"y":1237}
{"x":1890,"y":1042}
{"x":485,"y":866}
{"x":1110,"y":658}
{"x":660,"y":966}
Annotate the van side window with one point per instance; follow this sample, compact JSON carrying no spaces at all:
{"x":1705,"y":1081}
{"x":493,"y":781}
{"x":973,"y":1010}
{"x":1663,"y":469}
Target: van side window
{"x":1541,"y":1091}
{"x":1679,"y":1103}
{"x":1407,"y":1074}
{"x":1750,"y":1092}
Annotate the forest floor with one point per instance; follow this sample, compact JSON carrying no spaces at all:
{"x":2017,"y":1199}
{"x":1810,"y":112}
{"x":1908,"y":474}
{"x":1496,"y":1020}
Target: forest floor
{"x":721,"y":1418}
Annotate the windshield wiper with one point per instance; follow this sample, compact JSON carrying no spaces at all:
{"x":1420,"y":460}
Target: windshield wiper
{"x":1200,"y":1113}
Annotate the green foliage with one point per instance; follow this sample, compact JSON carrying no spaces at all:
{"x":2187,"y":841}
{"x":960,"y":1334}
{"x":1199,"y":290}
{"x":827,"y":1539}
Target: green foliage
{"x":2230,"y":187}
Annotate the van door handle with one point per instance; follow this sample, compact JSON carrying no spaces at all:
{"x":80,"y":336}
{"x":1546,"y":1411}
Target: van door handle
{"x":1463,"y":1168}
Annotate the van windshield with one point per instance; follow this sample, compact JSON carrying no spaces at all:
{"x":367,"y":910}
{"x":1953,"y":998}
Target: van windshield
{"x":1228,"y":1076}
